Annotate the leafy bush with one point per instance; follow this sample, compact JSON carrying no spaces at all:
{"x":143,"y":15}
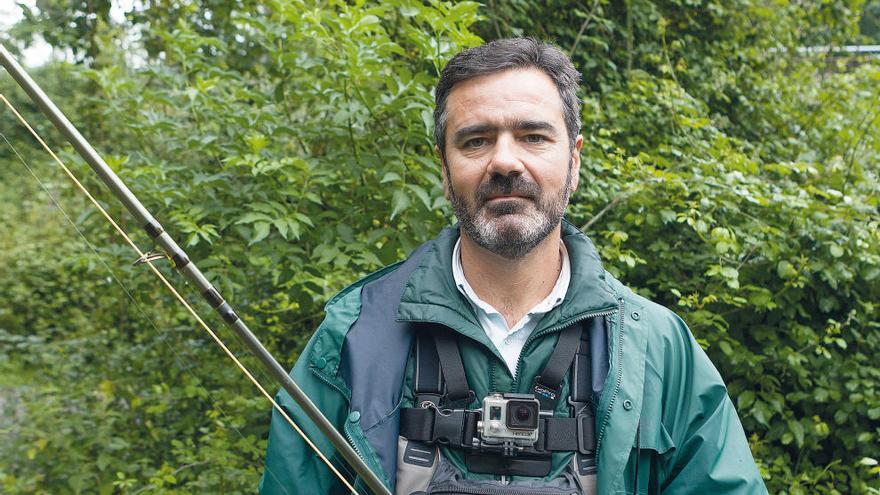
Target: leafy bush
{"x":287,"y":145}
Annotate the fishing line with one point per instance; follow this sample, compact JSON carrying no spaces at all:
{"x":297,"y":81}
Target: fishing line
{"x":164,"y":338}
{"x":182,"y":300}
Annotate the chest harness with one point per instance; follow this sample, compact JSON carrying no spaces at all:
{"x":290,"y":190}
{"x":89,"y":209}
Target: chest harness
{"x":512,"y":434}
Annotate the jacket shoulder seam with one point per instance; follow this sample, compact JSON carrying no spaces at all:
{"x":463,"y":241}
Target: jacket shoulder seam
{"x":361,"y":282}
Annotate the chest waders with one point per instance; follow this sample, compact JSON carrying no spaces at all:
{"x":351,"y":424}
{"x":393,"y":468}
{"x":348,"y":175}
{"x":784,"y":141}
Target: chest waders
{"x":441,"y":418}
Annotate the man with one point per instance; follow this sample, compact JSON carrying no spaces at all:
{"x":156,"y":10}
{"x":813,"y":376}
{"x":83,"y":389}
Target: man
{"x":614,"y":394}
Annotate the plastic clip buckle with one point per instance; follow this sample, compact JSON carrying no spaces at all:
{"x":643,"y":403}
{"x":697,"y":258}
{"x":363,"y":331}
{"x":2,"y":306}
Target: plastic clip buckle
{"x":586,"y":427}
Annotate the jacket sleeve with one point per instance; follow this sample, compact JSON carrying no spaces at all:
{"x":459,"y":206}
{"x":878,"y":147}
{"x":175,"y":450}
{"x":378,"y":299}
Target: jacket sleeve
{"x":291,"y":465}
{"x":711,"y":454}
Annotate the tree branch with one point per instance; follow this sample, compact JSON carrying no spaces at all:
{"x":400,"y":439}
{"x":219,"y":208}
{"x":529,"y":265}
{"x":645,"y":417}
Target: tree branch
{"x":577,"y":39}
{"x":602,"y":212}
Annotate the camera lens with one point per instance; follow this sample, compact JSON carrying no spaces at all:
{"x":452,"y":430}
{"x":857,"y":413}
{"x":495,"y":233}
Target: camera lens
{"x":522,"y":414}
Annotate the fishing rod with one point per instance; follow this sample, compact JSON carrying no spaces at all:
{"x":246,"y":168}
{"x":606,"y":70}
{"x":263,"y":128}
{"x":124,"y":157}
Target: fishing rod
{"x":188,"y":268}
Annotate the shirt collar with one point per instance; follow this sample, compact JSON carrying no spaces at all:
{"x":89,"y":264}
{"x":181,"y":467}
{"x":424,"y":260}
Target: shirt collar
{"x":551,"y":301}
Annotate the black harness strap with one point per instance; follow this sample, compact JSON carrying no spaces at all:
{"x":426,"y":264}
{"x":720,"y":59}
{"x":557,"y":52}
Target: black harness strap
{"x":546,"y":386}
{"x":442,"y":393}
{"x":581,"y":374}
{"x":457,"y":389}
{"x":456,"y":428}
{"x":429,"y":381}
{"x":569,"y":434}
{"x":576,"y":433}
{"x":581,"y":398}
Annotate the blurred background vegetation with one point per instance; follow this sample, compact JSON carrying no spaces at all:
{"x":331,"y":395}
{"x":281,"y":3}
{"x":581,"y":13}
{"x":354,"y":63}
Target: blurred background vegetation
{"x":728,"y":172}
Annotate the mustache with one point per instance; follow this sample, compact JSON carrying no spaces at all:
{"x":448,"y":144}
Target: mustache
{"x":506,"y":185}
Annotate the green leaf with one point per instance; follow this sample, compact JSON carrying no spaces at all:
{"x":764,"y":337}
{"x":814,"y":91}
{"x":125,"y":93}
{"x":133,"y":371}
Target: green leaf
{"x":836,"y":251}
{"x":409,"y":11}
{"x":254,"y":217}
{"x":391,"y":177}
{"x":785,"y":270}
{"x":745,"y":399}
{"x":261,"y":230}
{"x":282,"y":225}
{"x":797,"y":429}
{"x":421,"y":194}
{"x":399,"y":201}
{"x":304,"y":219}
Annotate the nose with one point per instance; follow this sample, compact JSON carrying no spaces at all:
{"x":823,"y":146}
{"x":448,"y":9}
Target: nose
{"x":505,"y":159}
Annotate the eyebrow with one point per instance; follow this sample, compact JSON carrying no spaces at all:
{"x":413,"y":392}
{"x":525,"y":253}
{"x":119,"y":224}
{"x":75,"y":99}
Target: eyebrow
{"x":519,"y":125}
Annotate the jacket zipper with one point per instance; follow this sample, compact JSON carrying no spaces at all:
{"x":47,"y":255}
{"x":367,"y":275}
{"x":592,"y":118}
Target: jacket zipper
{"x":358,"y":480}
{"x":601,"y":435}
{"x":556,"y":328}
{"x":332,"y":385}
{"x":348,"y":435}
{"x":351,"y":441}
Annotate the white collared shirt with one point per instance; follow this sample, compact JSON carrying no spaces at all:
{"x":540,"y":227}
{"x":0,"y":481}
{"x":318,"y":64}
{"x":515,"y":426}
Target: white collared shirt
{"x":510,"y":341}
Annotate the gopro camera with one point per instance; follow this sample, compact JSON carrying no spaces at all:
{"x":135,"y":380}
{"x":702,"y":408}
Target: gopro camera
{"x":510,"y":418}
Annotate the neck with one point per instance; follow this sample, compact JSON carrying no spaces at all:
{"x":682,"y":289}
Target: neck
{"x":512,"y":287}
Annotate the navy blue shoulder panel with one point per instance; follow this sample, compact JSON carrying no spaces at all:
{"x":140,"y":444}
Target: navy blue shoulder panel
{"x":598,"y":329}
{"x":374,"y":359}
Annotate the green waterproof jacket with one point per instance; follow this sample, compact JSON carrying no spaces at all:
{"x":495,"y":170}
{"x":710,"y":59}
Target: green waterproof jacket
{"x":664,"y":421}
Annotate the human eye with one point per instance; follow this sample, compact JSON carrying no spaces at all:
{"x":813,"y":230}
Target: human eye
{"x":477,"y":142}
{"x":535,"y":139}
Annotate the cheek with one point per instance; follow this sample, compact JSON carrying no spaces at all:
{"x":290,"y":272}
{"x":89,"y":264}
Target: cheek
{"x":464,"y":189}
{"x":551,"y":175}
{"x":463,"y":177}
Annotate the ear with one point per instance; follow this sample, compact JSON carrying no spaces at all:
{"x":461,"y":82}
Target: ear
{"x":443,"y":172}
{"x":576,"y":162}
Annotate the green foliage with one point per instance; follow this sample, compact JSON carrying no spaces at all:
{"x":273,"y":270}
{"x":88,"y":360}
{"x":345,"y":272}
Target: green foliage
{"x":736,"y":182}
{"x":870,"y":23}
{"x":285,"y":135}
{"x":287,"y":145}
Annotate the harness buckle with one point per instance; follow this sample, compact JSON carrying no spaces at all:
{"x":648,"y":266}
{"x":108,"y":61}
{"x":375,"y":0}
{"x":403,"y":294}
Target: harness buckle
{"x":425,"y":401}
{"x":577,"y":407}
{"x":586,"y":427}
{"x":454,"y":427}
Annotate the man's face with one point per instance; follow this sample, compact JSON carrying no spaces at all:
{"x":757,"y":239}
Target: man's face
{"x":508,"y":168}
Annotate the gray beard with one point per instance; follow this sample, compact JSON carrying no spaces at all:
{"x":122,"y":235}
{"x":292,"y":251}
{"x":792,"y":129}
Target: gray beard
{"x":511,"y":229}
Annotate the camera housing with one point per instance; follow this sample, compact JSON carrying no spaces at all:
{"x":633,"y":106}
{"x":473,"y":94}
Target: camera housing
{"x":510,"y":418}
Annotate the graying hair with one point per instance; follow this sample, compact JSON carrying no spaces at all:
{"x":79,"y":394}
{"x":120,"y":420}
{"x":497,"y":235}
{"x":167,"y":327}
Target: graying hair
{"x":505,"y":54}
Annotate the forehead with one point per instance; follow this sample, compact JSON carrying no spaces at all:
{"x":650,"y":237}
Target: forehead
{"x":508,"y":96}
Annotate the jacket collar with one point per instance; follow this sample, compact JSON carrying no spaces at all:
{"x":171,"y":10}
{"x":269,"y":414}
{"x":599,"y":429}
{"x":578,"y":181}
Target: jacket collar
{"x":430,"y":293}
